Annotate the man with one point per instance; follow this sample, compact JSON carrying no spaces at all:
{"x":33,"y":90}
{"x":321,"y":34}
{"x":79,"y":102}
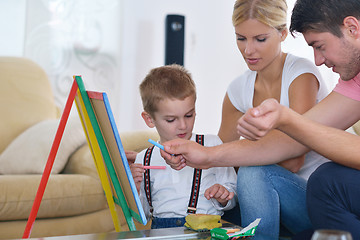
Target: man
{"x":332,"y":28}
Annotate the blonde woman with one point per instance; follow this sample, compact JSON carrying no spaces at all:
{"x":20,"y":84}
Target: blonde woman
{"x":276,"y":193}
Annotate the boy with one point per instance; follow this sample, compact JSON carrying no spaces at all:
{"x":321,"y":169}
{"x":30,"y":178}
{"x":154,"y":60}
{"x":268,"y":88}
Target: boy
{"x":168,"y":94}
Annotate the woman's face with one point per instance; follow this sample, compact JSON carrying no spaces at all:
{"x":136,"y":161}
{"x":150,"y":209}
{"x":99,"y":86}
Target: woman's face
{"x":258,"y":43}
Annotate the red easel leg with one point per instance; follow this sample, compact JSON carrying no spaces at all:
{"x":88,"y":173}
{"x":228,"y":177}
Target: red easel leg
{"x":50,"y":161}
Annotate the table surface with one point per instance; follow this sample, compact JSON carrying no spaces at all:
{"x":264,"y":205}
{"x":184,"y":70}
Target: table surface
{"x":164,"y":233}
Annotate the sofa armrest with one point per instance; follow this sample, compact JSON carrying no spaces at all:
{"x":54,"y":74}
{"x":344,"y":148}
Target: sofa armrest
{"x":356,"y":127}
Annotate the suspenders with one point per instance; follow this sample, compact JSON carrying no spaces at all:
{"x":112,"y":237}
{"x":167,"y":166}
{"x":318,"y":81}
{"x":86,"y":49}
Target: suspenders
{"x":147,"y":158}
{"x":195,"y":189}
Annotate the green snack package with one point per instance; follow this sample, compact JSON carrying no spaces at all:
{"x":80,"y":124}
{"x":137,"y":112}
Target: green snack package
{"x":224,"y":234}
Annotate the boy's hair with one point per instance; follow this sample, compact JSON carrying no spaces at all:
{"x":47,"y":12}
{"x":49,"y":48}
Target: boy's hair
{"x":322,"y":15}
{"x":166,"y":82}
{"x":272,"y":13}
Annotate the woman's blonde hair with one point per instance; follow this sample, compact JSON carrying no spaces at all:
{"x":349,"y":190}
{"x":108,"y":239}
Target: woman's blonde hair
{"x":269,"y":12}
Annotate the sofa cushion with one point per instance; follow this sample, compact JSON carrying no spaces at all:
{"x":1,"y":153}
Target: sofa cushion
{"x":26,"y":97}
{"x":29,"y":152}
{"x":65,"y":195}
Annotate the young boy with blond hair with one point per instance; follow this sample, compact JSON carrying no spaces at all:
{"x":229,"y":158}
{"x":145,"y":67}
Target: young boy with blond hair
{"x":168,"y":95}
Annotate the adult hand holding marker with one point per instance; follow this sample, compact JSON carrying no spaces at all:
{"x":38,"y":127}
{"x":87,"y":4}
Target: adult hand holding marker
{"x":180,"y":162}
{"x":156,"y":144}
{"x":159,"y":146}
{"x":180,"y":153}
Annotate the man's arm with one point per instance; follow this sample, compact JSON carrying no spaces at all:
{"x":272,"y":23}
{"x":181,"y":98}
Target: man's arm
{"x":320,"y":129}
{"x":273,"y":148}
{"x":335,"y":111}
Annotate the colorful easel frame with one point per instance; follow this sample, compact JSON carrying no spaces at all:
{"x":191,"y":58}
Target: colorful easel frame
{"x":108,"y":153}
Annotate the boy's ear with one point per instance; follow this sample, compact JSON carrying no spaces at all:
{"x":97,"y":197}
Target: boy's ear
{"x":148,"y":119}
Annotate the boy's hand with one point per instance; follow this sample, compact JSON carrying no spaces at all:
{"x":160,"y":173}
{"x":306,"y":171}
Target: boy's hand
{"x":131,"y":156}
{"x":137,"y":171}
{"x":258,"y":121}
{"x":220,"y":193}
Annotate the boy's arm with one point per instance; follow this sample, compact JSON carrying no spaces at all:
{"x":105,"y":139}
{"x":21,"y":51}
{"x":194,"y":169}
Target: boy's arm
{"x":131,"y":156}
{"x":144,"y":202}
{"x":220,"y":196}
{"x":226,"y":178}
{"x":140,"y":188}
{"x":137,"y":172}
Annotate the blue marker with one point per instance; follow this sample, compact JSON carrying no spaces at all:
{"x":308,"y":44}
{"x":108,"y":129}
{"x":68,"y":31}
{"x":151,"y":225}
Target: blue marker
{"x":156,"y":144}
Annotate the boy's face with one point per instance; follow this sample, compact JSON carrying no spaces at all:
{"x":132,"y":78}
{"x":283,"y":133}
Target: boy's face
{"x":342,"y":55}
{"x":174,"y":118}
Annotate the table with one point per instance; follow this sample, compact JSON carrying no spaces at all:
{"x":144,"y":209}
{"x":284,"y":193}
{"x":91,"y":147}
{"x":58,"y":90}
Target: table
{"x":164,"y":233}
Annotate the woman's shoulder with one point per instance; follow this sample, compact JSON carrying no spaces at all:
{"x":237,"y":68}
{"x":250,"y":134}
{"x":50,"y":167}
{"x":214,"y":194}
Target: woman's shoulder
{"x":248,"y":74}
{"x":242,"y":80}
{"x":296,"y":62}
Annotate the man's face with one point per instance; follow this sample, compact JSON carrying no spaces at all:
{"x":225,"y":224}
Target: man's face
{"x":340,"y":54}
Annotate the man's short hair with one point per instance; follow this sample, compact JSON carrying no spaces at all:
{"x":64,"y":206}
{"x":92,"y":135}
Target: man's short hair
{"x":322,"y":15}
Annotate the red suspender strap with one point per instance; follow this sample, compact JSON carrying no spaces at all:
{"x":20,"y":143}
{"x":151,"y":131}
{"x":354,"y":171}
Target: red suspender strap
{"x":147,"y":158}
{"x":195,"y":189}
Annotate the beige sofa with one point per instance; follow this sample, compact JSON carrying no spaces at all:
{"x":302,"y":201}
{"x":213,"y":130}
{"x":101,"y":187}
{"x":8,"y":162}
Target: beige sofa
{"x":73,"y":202}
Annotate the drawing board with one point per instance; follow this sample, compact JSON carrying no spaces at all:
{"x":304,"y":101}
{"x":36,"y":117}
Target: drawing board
{"x":102,"y":134}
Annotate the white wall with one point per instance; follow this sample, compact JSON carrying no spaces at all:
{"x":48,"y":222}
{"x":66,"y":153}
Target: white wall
{"x":12,"y":27}
{"x":211,"y":54}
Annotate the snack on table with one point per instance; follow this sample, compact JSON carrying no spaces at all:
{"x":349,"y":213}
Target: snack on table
{"x":225,"y":234}
{"x":202,"y":222}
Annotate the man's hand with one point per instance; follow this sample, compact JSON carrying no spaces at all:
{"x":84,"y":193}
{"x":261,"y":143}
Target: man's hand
{"x":137,"y":171}
{"x":219,"y":193}
{"x":258,"y":121}
{"x":180,"y":153}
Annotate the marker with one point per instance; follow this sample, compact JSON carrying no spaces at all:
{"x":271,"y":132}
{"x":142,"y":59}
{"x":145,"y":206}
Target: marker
{"x":157,"y":144}
{"x":154,"y":167}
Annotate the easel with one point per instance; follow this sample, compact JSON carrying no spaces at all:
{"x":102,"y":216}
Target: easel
{"x":109,"y":156}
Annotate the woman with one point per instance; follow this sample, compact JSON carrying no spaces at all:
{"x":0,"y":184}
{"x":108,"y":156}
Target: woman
{"x":275,"y":193}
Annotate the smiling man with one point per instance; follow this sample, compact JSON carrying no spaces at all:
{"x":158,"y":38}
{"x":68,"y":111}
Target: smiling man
{"x":332,"y":29}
